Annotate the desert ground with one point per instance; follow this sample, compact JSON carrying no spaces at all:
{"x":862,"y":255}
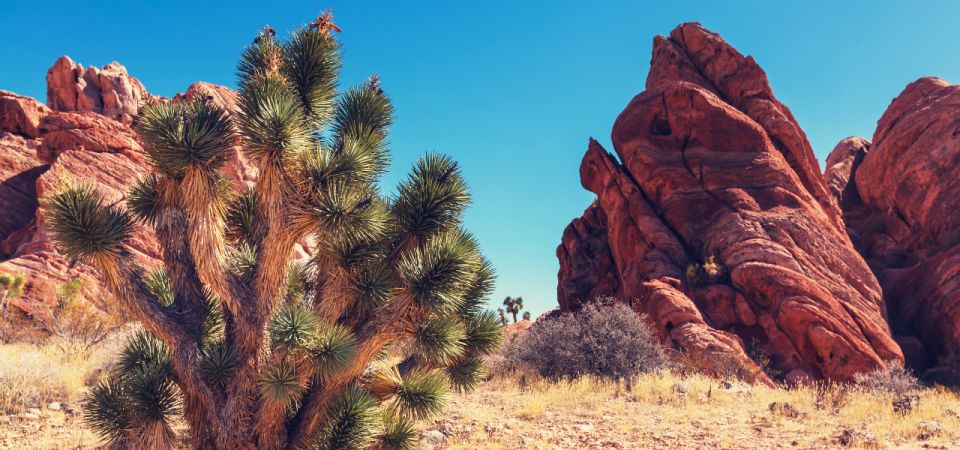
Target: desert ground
{"x":42,"y":387}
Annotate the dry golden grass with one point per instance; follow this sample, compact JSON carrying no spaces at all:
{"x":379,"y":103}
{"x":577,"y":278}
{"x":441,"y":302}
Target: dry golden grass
{"x":32,"y":376}
{"x":694,"y":412}
{"x":663,"y":410}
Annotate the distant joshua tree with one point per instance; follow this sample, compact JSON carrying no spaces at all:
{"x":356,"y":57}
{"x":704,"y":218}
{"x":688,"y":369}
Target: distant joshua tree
{"x":526,"y":315}
{"x":513,"y":306}
{"x":503,"y":316}
{"x":245,"y":348}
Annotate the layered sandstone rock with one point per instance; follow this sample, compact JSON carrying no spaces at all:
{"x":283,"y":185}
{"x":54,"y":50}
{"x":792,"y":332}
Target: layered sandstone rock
{"x":902,"y":212}
{"x":719,"y":225}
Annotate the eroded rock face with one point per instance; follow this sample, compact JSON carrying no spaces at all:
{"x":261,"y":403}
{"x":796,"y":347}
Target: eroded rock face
{"x":901,"y":209}
{"x":720,"y":225}
{"x":109,"y":90}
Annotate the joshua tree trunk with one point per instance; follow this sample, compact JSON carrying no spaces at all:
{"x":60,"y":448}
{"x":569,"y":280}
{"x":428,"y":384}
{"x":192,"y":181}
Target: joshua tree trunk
{"x":254,"y":350}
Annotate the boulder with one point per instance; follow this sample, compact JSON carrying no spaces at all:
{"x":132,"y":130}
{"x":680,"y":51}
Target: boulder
{"x":21,"y":115}
{"x":720,"y":226}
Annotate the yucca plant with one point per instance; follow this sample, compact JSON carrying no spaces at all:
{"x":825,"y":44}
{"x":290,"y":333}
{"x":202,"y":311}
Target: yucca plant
{"x":244,"y":347}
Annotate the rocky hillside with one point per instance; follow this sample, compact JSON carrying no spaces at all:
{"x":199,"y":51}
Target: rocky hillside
{"x":714,"y":219}
{"x":82,"y":135}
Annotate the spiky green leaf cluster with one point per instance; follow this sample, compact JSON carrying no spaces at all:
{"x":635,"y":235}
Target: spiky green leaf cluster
{"x":281,"y":383}
{"x":433,"y":198}
{"x":83,"y":226}
{"x":351,"y":421}
{"x":421,"y":395}
{"x":180,"y":137}
{"x":159,"y":284}
{"x":218,"y":362}
{"x":332,"y":349}
{"x":293,"y":326}
{"x":138,"y":403}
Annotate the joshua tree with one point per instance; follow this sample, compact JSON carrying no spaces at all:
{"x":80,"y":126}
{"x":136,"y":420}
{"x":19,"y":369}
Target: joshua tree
{"x":526,"y":315}
{"x":514,"y":305}
{"x":248,"y":349}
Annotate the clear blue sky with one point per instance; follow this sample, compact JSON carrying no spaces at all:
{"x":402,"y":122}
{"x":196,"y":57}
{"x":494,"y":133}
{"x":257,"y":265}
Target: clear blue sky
{"x":511,"y":89}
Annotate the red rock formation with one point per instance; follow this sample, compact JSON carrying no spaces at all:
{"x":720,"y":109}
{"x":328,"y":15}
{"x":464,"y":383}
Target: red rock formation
{"x":720,"y":226}
{"x":901,"y":207}
{"x":109,"y":91}
{"x":19,"y":170}
{"x":85,"y":137}
{"x":21,"y":115}
{"x":839,"y":170}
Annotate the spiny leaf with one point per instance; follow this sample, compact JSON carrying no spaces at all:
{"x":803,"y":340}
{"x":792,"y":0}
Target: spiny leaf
{"x":105,"y":411}
{"x":432,"y":199}
{"x":360,"y":124}
{"x":142,"y":200}
{"x":159,"y":284}
{"x":398,"y":434}
{"x":465,"y":374}
{"x":480,"y":288}
{"x":311,"y":64}
{"x":83,"y":226}
{"x":241,"y":217}
{"x":351,"y":421}
{"x":179,"y":136}
{"x":437,"y":273}
{"x":272,"y":122}
{"x":422,"y":395}
{"x":263,"y":57}
{"x":293,"y":326}
{"x":280,"y":383}
{"x":440,"y":340}
{"x":218,"y":362}
{"x":484,"y":333}
{"x":333,"y":349}
{"x":242,"y":260}
{"x":373,"y":287}
{"x":143,"y":350}
{"x":153,"y":395}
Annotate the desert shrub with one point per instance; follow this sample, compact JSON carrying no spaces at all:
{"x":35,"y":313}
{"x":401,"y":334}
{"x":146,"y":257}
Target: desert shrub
{"x":11,"y":286}
{"x":71,"y":320}
{"x":831,"y":397}
{"x":894,"y":378}
{"x":606,"y":340}
{"x":710,"y":272}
